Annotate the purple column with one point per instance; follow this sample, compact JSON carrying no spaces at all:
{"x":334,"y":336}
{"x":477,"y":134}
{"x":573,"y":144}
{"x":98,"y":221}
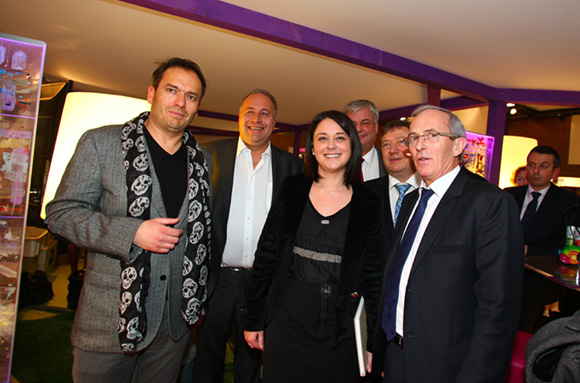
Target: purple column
{"x":496,"y":128}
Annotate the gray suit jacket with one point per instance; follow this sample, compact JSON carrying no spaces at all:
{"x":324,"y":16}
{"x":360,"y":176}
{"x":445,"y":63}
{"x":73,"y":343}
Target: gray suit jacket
{"x":90,"y":210}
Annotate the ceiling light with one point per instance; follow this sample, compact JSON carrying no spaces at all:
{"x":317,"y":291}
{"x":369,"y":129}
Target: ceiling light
{"x":510,"y":104}
{"x":513,"y":111}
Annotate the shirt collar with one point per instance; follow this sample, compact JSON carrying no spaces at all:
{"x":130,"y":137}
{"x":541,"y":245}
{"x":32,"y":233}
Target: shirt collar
{"x":440,"y":185}
{"x":542,"y":192}
{"x":242,"y":147}
{"x":414,"y":181}
{"x":370,"y":156}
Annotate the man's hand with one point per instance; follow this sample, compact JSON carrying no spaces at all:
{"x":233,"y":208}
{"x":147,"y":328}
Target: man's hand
{"x":156,"y":236}
{"x":255,"y":339}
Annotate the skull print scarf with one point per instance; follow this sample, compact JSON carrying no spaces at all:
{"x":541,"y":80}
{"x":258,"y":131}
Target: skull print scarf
{"x":135,"y":275}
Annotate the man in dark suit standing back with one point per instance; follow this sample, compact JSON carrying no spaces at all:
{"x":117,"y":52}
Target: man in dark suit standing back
{"x":542,"y":205}
{"x":452,"y":286}
{"x":543,"y":229}
{"x":401,"y":176}
{"x":247,"y":174}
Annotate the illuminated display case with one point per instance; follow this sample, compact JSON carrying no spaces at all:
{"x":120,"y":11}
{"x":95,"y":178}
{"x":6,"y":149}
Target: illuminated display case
{"x":478,"y":154}
{"x":21,"y":66}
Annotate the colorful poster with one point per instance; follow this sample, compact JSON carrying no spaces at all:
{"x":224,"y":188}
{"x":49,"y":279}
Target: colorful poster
{"x":478,"y":154}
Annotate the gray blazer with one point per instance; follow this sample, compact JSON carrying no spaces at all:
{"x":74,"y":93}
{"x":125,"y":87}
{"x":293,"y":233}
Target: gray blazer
{"x":90,"y":210}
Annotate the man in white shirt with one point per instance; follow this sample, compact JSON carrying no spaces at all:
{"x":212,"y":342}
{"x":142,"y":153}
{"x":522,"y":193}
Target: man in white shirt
{"x":365,"y":116}
{"x":402,"y":178}
{"x":452,"y":284}
{"x":247,"y":174}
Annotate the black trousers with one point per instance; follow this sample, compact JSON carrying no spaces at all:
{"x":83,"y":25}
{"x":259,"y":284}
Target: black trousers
{"x":224,"y":309}
{"x":394,"y":371}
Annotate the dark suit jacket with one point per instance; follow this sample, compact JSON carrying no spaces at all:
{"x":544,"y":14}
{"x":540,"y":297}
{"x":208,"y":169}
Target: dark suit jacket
{"x":223,"y":153}
{"x":360,"y":271}
{"x":547,"y":231}
{"x":381,"y":187}
{"x":463,"y":297}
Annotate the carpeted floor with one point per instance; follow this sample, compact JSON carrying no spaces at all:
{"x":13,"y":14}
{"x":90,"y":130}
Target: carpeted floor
{"x":43,"y":353}
{"x":42,"y":350}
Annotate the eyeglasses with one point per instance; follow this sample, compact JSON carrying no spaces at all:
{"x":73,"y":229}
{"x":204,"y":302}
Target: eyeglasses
{"x":402,"y":144}
{"x":429,"y":136}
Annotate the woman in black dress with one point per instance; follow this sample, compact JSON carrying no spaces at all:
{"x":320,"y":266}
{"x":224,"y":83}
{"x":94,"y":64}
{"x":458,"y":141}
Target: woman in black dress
{"x":321,"y":249}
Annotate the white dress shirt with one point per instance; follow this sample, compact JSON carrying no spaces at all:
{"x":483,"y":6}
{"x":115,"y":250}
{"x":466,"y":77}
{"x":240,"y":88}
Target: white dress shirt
{"x":370,"y":165}
{"x":249,"y":206}
{"x":529,"y":197}
{"x":439,"y":188}
{"x":414,"y":181}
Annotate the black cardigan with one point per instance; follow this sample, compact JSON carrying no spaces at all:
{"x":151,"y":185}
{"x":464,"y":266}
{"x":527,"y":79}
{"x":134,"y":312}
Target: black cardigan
{"x":362,"y":262}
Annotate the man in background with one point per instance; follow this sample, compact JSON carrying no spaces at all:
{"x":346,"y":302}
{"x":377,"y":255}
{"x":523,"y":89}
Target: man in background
{"x":543,"y":233}
{"x":542,"y":205}
{"x":247,"y":174}
{"x":401,"y":178}
{"x":365,"y":116}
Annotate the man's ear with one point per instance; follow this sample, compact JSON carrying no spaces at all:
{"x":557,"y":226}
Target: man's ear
{"x":150,"y":94}
{"x":460,"y":144}
{"x":555,"y":173}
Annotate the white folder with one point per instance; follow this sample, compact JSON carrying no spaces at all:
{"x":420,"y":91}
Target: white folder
{"x":360,"y":335}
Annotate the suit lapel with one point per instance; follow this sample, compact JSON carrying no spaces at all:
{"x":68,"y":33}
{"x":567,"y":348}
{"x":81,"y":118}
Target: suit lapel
{"x":404,"y":216}
{"x":546,"y":207}
{"x":439,"y":218}
{"x":229,"y":163}
{"x":277,"y":171}
{"x":385,"y":192}
{"x":520,"y":196}
{"x":382,"y":171}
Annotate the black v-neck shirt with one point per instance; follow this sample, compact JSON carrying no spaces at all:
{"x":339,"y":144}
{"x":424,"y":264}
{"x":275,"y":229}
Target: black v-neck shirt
{"x":171,"y":171}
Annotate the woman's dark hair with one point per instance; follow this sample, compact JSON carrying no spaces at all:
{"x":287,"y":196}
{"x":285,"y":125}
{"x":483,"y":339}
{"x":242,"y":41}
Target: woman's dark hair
{"x":352,"y":168}
{"x":181,"y":63}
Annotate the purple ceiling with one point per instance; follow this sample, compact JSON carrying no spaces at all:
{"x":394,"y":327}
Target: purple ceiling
{"x":234,"y":18}
{"x":473,"y":93}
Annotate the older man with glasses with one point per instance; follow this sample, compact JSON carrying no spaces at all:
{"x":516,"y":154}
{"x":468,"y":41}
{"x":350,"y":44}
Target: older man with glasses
{"x":452,"y":284}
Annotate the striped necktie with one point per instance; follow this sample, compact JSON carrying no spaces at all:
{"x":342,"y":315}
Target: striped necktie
{"x":402,"y":189}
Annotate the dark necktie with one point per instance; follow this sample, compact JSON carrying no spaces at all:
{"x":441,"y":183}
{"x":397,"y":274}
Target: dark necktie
{"x":360,"y":173}
{"x":530,"y":211}
{"x":402,"y":189}
{"x":392,"y":289}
